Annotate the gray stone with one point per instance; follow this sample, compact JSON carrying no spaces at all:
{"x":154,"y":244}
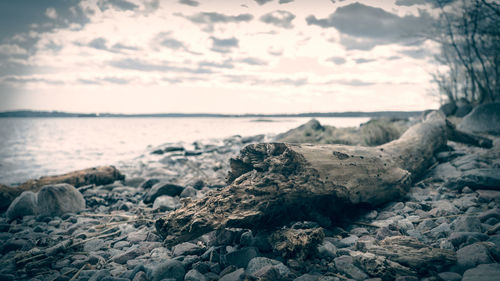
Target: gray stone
{"x":482,"y":178}
{"x":466,"y":238}
{"x":406,"y":278}
{"x":483,"y":272}
{"x":13,"y":245}
{"x":473,"y":255}
{"x":122,"y":258}
{"x":307,"y":277}
{"x":441,"y":231}
{"x":345,"y":265}
{"x":189,"y":192}
{"x":486,"y":196}
{"x":194,"y":275}
{"x":327,"y":250}
{"x":93,"y":245}
{"x":268,"y":273}
{"x":448,"y":108}
{"x":57,"y":199}
{"x":493,"y":213}
{"x":187,"y":248}
{"x":99,"y":275}
{"x":348,"y":241}
{"x":172,"y":269}
{"x":258,"y":263}
{"x":241,"y":258}
{"x":149,"y":183}
{"x":450,"y":276}
{"x":234,"y":276}
{"x":160,"y":189}
{"x":24,"y":205}
{"x":166,"y":203}
{"x":467,"y":224}
{"x":483,"y":119}
{"x":443,"y":208}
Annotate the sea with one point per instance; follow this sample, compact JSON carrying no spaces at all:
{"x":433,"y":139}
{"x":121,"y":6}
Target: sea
{"x":35,"y":147}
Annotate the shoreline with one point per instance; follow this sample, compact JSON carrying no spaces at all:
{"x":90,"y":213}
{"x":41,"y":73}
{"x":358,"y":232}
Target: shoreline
{"x":443,"y":228}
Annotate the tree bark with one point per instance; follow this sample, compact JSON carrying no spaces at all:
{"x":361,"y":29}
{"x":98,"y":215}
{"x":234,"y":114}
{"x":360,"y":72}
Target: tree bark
{"x":271,"y":184}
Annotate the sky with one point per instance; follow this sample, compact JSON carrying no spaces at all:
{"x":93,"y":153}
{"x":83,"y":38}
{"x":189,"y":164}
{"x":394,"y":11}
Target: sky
{"x":216,"y":56}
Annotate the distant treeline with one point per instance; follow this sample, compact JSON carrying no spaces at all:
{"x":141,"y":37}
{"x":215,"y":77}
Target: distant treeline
{"x":59,"y":114}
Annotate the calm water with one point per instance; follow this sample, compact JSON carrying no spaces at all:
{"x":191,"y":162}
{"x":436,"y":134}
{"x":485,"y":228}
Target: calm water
{"x":34,"y":147}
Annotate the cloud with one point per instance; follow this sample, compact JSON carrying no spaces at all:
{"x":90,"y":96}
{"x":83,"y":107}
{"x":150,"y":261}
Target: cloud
{"x":209,"y":19}
{"x":120,"y":46}
{"x":363,"y":60}
{"x":225,"y":64}
{"x":262,"y":2}
{"x":99,"y":81}
{"x":115,"y":80}
{"x":279,"y":18}
{"x":11,"y":49}
{"x":117,"y":4}
{"x":165,"y":40}
{"x":337,"y":60}
{"x":363,"y":27}
{"x":423,"y":2}
{"x":285,"y":1}
{"x":253,"y":61}
{"x":353,"y":82}
{"x":51,"y":13}
{"x":140,"y":65}
{"x":223,"y":45}
{"x":416,"y":53}
{"x":189,"y":3}
{"x":98,"y":43}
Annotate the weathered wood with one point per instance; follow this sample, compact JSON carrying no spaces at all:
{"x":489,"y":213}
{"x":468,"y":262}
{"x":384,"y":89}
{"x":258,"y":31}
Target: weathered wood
{"x":98,"y":176}
{"x":273,"y":183}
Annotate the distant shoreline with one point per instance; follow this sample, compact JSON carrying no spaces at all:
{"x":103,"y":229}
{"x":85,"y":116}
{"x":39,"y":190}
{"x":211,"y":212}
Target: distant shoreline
{"x":59,"y":114}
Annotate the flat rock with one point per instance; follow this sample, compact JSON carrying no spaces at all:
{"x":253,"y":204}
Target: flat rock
{"x":257,"y":263}
{"x":240,"y":258}
{"x":345,"y":265}
{"x":484,"y":118}
{"x":194,"y":275}
{"x":24,"y":205}
{"x":473,"y":255}
{"x":187,"y":248}
{"x":162,"y":188}
{"x":483,"y":272}
{"x":166,"y":203}
{"x":467,"y":224}
{"x":484,"y":178}
{"x":170,"y":269}
{"x":57,"y":199}
{"x":234,"y":276}
{"x":450,"y":276}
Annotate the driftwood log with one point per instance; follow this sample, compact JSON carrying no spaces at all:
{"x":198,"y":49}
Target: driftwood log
{"x":271,"y":184}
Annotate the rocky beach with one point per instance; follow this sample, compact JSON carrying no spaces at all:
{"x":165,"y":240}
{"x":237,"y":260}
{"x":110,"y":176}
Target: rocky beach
{"x":108,"y":224}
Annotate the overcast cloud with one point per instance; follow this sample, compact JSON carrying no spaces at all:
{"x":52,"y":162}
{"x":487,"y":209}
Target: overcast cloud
{"x":264,"y":56}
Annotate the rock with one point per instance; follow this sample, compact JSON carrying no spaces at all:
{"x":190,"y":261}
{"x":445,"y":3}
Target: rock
{"x":483,"y":272}
{"x":189,"y":192}
{"x":485,"y":178}
{"x":240,"y":258}
{"x":486,"y":196}
{"x":409,"y":252}
{"x":234,"y":276}
{"x":160,"y":189}
{"x":24,"y":205}
{"x":268,"y":273}
{"x":258,"y":263}
{"x":13,"y":245}
{"x":57,"y":199}
{"x":473,"y":255}
{"x":187,"y":248}
{"x":443,"y":208}
{"x":493,"y":213}
{"x":149,"y":183}
{"x":348,"y":241}
{"x":140,"y":276}
{"x":484,"y":118}
{"x":448,"y":108}
{"x":7,"y":195}
{"x":307,"y":277}
{"x":327,"y":250}
{"x":466,"y":238}
{"x":166,"y":203}
{"x":127,"y":255}
{"x":170,"y":269}
{"x":450,"y":276}
{"x":467,"y":224}
{"x":345,"y":265}
{"x":94,"y":245}
{"x":194,"y":275}
{"x":463,"y":108}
